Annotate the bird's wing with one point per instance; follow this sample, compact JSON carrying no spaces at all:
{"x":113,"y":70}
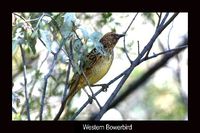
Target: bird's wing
{"x":89,"y":62}
{"x":91,"y":59}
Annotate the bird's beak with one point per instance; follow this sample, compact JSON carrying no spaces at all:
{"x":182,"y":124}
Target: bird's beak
{"x":121,"y":35}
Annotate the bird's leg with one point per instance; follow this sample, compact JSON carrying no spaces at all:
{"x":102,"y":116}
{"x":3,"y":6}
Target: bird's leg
{"x":104,"y":86}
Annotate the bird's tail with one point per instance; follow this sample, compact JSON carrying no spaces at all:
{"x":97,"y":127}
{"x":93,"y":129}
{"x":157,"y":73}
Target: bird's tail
{"x":73,"y":90}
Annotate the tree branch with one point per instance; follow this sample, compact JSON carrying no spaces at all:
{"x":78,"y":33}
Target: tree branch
{"x":47,"y":76}
{"x":160,"y":28}
{"x":164,"y":26}
{"x":168,"y":44}
{"x":164,"y":52}
{"x":126,"y":51}
{"x":135,"y":85}
{"x":159,"y":18}
{"x":68,"y":73}
{"x":133,"y":65}
{"x":25,"y":82}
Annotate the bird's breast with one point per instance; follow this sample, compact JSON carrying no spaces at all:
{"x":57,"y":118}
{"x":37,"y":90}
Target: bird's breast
{"x":100,"y":69}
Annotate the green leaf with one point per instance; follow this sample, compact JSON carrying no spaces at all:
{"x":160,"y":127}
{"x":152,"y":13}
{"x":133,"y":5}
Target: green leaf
{"x":68,"y":25}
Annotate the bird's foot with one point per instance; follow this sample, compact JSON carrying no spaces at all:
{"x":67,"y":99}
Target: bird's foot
{"x":105,"y":87}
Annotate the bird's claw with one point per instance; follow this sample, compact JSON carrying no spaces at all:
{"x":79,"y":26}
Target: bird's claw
{"x":105,"y":87}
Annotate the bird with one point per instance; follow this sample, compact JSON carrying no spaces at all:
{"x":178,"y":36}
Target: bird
{"x":95,"y":67}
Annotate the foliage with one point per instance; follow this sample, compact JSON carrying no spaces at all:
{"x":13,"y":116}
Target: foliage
{"x":49,"y":28}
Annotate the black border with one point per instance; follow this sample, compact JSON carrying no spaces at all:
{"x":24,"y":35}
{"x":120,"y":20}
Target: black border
{"x":76,"y":126}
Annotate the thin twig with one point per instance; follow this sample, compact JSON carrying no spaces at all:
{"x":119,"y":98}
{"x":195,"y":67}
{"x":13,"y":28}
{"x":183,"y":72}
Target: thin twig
{"x":162,"y":26}
{"x":25,"y":82}
{"x":157,"y":33}
{"x":44,"y":60}
{"x":66,"y":81}
{"x":164,"y":52}
{"x":169,"y":36}
{"x":159,"y":18}
{"x":138,"y":47}
{"x":68,"y":72}
{"x":159,"y":25}
{"x":131,"y":23}
{"x":41,"y":17}
{"x":126,"y":51}
{"x":77,"y":35}
{"x":158,"y":14}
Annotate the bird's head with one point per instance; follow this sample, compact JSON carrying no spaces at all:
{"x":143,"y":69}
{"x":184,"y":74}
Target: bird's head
{"x":110,"y":39}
